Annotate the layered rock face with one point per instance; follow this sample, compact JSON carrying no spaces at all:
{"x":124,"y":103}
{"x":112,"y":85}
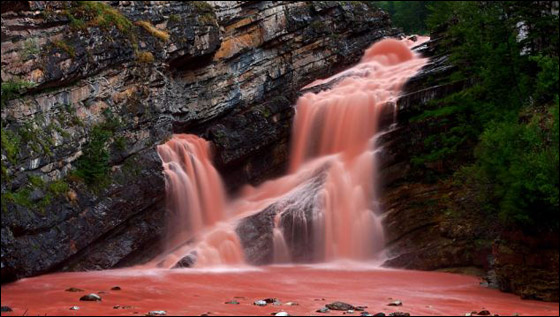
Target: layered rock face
{"x":108,"y":81}
{"x":441,"y":225}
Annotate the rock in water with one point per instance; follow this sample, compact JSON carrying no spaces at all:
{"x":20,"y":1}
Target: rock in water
{"x":282,"y":313}
{"x":340,"y":306}
{"x":398,"y":313}
{"x":232,"y":302}
{"x":484,"y":313}
{"x":323,"y":310}
{"x":74,"y":308}
{"x":395,"y":303}
{"x":74,"y":289}
{"x":91,"y":298}
{"x":259,"y":303}
{"x":6,"y":309}
{"x":116,"y":288}
{"x":157,"y":313}
{"x":379,"y":314}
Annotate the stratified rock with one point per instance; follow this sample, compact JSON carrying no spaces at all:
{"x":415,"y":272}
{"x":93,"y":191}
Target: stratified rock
{"x":230,"y":72}
{"x":339,"y":306}
{"x":91,"y":298}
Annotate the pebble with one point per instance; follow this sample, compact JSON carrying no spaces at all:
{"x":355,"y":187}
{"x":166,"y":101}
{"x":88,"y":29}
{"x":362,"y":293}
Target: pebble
{"x":339,"y":306}
{"x":74,"y":308}
{"x":395,"y":303}
{"x":91,"y":298}
{"x":323,"y":310}
{"x":74,"y":289}
{"x":157,"y":313}
{"x":259,"y":303}
{"x":232,"y":302}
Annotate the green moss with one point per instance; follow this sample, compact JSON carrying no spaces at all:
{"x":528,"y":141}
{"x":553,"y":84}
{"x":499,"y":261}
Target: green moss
{"x":36,"y":181}
{"x":30,"y":48}
{"x":10,"y":144}
{"x":59,"y":187}
{"x":14,"y":88}
{"x":175,"y":18}
{"x":102,"y":15}
{"x":65,"y":47}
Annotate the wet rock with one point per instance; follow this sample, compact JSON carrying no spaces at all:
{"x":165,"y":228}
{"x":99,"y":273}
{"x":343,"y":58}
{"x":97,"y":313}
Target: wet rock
{"x":395,"y":303}
{"x":259,"y":303}
{"x":116,"y":288}
{"x":116,"y":306}
{"x":365,"y":313}
{"x":350,"y":311}
{"x":380,"y":314}
{"x":282,"y":313}
{"x":323,"y":310}
{"x":214,"y":71}
{"x":74,"y":289}
{"x":339,"y":306}
{"x":360,"y":308}
{"x":74,"y":308}
{"x":270,"y":300}
{"x":232,"y":302}
{"x":157,"y":313}
{"x":91,"y":298}
{"x":399,"y":314}
{"x":484,"y":313}
{"x":291,"y":304}
{"x":187,"y":261}
{"x":6,"y":309}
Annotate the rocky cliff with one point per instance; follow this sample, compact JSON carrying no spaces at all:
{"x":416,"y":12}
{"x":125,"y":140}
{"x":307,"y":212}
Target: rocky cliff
{"x":440,"y":224}
{"x":89,"y":89}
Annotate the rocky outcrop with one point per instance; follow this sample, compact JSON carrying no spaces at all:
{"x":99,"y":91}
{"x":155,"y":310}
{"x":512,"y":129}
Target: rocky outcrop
{"x":441,"y":225}
{"x":101,"y":84}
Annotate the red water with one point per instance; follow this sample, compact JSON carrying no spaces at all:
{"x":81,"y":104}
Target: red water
{"x":188,"y":292}
{"x":334,"y":131}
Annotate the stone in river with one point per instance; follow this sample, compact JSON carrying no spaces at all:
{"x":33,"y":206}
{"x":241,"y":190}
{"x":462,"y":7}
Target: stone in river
{"x":116,"y":288}
{"x":232,"y":302}
{"x":6,"y":309}
{"x":339,"y":306}
{"x":74,"y":308}
{"x":91,"y":298}
{"x":157,"y":313}
{"x":398,"y":313}
{"x":395,"y":303}
{"x":259,"y":303}
{"x":323,"y":310}
{"x":74,"y":289}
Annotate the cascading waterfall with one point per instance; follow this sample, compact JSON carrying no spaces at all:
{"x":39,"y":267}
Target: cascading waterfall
{"x":334,"y":136}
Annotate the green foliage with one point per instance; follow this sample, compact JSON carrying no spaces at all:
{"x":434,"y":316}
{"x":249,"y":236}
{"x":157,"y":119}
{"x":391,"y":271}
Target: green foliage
{"x":409,"y":15}
{"x":93,"y":166}
{"x":506,"y":108}
{"x":10,"y":144}
{"x":13,"y":89}
{"x":65,"y":47}
{"x":100,"y":14}
{"x":22,"y":197}
{"x":519,"y":163}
